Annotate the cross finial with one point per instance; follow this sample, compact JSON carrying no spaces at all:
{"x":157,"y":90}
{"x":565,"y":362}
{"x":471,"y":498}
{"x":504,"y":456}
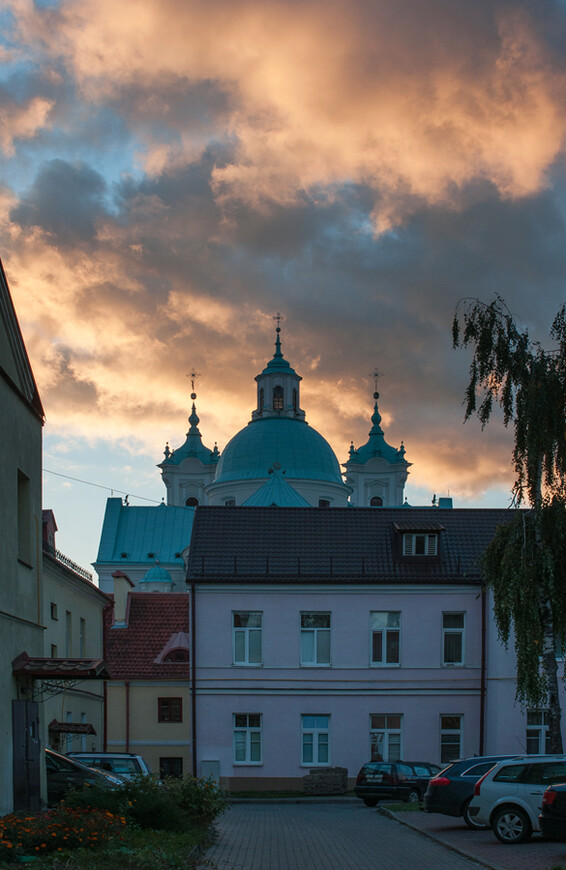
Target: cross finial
{"x":375,"y":375}
{"x":193,"y":374}
{"x":278,"y":317}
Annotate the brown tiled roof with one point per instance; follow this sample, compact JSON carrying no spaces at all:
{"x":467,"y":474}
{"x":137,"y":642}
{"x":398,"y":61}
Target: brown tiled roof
{"x":337,"y":545}
{"x":130,"y":652}
{"x":41,"y":667}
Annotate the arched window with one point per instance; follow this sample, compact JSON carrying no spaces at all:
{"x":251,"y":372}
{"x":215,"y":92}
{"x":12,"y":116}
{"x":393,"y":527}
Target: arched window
{"x":192,"y":501}
{"x":261,"y":400}
{"x":376,"y":501}
{"x":278,"y":398}
{"x":177,"y":655}
{"x":323,"y":502}
{"x":295,"y":403}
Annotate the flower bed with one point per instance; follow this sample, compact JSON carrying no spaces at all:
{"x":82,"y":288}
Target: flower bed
{"x":57,"y":830}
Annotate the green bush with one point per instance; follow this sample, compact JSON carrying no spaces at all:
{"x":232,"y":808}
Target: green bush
{"x":201,"y":800}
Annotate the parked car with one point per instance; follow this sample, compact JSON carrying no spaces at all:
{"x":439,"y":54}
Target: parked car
{"x":123,"y":764}
{"x":451,"y":791}
{"x":509,"y":796}
{"x":64,"y":773}
{"x":392,"y":780}
{"x":552,"y":820}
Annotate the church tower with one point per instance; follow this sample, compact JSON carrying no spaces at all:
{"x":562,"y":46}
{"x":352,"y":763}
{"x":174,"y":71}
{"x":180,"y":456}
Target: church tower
{"x":376,"y":471}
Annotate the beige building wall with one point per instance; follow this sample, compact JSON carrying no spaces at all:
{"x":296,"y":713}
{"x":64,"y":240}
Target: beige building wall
{"x":133,"y":722}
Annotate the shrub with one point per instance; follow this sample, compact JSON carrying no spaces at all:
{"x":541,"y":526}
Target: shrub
{"x":201,"y":800}
{"x":58,"y":829}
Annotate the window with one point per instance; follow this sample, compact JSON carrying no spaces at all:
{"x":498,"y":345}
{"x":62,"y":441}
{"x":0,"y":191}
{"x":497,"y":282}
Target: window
{"x":24,"y":518}
{"x":376,"y":501}
{"x":246,"y":637}
{"x":68,"y":633}
{"x":316,"y":740}
{"x":278,"y":398}
{"x":261,"y":400}
{"x":323,"y":502}
{"x":450,"y":738}
{"x":420,"y":544}
{"x":315,"y":638}
{"x":538,"y":740}
{"x":170,"y":766}
{"x":295,"y":401}
{"x":53,"y":610}
{"x":53,"y":650}
{"x":169,"y":709}
{"x":230,"y":502}
{"x":385,"y":627}
{"x":177,"y":655}
{"x":452,"y":638}
{"x":247,"y":738}
{"x":82,"y":637}
{"x":385,"y":737}
{"x":191,"y":501}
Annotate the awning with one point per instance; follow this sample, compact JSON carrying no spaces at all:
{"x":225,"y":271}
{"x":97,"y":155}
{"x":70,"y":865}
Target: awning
{"x":40,"y":667}
{"x":71,"y":727}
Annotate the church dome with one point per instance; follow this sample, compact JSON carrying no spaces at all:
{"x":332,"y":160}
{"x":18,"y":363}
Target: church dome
{"x":301,"y":452}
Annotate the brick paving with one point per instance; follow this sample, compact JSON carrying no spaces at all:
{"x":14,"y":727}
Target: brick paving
{"x":324,"y":836}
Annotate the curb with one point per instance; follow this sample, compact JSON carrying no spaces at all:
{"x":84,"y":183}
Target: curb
{"x":315,"y":799}
{"x":394,"y":817}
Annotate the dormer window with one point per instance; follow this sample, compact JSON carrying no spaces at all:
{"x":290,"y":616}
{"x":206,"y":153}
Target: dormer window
{"x":177,"y":655}
{"x":376,"y":501}
{"x":420,"y":544}
{"x":278,"y":398}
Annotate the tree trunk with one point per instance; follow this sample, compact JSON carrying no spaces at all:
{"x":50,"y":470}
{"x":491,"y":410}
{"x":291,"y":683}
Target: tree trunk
{"x":550,"y":670}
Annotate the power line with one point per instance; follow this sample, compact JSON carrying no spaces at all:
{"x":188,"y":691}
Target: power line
{"x":101,"y":486}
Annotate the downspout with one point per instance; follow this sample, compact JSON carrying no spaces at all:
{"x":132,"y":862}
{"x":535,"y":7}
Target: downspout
{"x":127,"y":685}
{"x":105,"y":715}
{"x":193,"y":677}
{"x":483,"y":669}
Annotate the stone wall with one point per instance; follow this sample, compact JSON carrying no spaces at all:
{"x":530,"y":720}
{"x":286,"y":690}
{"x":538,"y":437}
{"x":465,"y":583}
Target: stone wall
{"x":326,"y":780}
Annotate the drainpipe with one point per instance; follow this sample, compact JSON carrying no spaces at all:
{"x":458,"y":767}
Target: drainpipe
{"x":483,"y":670}
{"x":127,"y":685}
{"x":193,"y":677}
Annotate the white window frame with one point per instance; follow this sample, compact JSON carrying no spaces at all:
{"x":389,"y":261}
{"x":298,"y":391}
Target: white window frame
{"x":242,"y":633}
{"x":386,"y":739}
{"x":315,"y":734}
{"x":316,"y":637}
{"x":446,"y":731}
{"x":449,"y":632}
{"x":248,"y":725}
{"x":537,"y":729}
{"x":420,"y":543}
{"x":386,"y":631}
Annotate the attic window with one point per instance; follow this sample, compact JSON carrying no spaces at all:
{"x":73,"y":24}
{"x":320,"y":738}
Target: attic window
{"x":151,"y":555}
{"x":177,"y":655}
{"x":123,"y":555}
{"x":191,"y":501}
{"x":278,"y":398}
{"x":420,"y":544}
{"x":376,"y":501}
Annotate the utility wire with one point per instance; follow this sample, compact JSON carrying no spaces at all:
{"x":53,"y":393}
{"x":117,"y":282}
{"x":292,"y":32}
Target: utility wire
{"x":100,"y":486}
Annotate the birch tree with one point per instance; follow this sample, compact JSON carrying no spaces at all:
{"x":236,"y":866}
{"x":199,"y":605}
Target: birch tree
{"x":525,"y":565}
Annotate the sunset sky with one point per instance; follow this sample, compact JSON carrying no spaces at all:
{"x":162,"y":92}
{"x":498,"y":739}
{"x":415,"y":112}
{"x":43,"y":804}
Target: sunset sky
{"x":174,"y":172}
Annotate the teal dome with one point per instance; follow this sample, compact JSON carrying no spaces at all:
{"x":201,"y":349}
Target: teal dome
{"x":157,"y":573}
{"x":300,"y":451}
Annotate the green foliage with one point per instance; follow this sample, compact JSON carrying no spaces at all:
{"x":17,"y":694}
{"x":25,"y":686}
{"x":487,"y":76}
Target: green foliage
{"x":172,"y":805}
{"x":526,"y":566}
{"x":529,"y":385}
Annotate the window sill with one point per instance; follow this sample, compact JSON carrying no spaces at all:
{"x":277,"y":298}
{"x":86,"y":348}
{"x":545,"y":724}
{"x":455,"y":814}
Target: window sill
{"x":387,"y":665}
{"x":247,"y":664}
{"x":324,"y":764}
{"x":452,"y":664}
{"x":247,"y":764}
{"x":315,"y":665}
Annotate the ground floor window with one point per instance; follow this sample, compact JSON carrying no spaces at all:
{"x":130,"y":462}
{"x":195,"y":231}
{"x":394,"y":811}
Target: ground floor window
{"x":450,"y":738}
{"x":385,"y":737}
{"x":247,"y":738}
{"x":538,"y":740}
{"x":315,"y":740}
{"x":170,"y":766}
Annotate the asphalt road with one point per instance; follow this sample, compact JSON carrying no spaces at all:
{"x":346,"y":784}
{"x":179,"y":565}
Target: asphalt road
{"x":324,"y":837}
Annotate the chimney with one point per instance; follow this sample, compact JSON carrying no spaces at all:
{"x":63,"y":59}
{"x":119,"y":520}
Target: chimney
{"x":122,"y":587}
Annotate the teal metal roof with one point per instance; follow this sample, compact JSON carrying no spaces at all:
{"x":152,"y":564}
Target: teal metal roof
{"x":192,"y":448}
{"x":278,"y":363}
{"x":144,"y":534}
{"x":301,"y":452}
{"x":276,"y":491}
{"x":376,"y":445}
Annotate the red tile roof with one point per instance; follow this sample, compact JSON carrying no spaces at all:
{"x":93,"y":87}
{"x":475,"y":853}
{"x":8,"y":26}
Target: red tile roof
{"x":153,"y":618}
{"x":41,"y":667}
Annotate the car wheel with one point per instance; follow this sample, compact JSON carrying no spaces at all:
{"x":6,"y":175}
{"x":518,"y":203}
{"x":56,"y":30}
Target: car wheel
{"x":469,"y":819}
{"x":413,"y":797}
{"x":511,"y":825}
{"x":370,"y":802}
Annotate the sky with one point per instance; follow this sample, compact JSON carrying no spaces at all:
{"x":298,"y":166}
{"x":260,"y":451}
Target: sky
{"x":173,"y":173}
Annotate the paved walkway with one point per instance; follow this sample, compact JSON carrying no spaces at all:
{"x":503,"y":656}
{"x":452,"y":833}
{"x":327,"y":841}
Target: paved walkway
{"x":324,"y":837}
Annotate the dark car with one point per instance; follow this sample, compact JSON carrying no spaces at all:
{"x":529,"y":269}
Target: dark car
{"x":63,"y":773}
{"x":392,"y":780}
{"x":451,"y":791}
{"x":552,"y":820}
